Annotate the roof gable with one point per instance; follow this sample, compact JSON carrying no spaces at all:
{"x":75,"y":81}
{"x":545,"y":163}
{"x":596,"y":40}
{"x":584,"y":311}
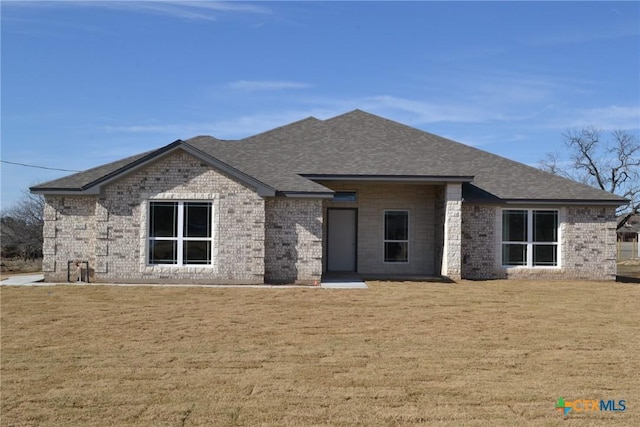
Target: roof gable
{"x":91,"y":180}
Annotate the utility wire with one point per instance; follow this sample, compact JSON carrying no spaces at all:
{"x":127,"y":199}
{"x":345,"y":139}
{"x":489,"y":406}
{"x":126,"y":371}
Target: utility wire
{"x":38,"y":167}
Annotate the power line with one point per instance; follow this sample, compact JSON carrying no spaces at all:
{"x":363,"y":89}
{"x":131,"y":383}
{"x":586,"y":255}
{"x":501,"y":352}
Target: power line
{"x":38,"y":167}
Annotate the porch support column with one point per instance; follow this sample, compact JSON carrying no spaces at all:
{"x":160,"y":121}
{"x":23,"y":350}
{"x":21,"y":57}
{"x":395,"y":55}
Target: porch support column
{"x":451,"y":251}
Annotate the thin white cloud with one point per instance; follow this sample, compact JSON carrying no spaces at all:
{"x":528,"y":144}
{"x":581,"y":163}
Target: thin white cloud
{"x":248,"y":125}
{"x":193,"y":10}
{"x":162,"y":8}
{"x":168,"y":128}
{"x":190,"y":10}
{"x":487,"y":95}
{"x":253,"y":85}
{"x":405,"y":110}
{"x":527,"y":104}
{"x":233,"y":128}
{"x":607,"y":118}
{"x":516,"y":91}
{"x":222,"y":6}
{"x":421,"y":112}
{"x":225,"y":129}
{"x":401,"y":109}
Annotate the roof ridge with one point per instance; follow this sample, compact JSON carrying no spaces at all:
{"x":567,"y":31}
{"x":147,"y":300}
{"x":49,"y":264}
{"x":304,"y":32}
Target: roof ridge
{"x":354,"y":112}
{"x":203,"y":136}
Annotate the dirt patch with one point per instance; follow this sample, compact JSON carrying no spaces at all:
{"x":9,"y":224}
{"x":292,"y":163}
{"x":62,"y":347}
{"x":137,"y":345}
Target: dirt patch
{"x":470,"y":353}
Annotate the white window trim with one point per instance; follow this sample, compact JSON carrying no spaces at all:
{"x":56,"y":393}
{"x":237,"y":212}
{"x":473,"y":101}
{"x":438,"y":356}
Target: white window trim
{"x":408,"y":241}
{"x":529,"y":243}
{"x":180,"y":238}
{"x":145,"y":267}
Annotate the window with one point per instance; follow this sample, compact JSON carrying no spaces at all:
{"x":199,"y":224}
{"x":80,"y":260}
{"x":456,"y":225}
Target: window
{"x":180,"y":233}
{"x":530,"y":238}
{"x":396,"y":236}
{"x":345,"y":196}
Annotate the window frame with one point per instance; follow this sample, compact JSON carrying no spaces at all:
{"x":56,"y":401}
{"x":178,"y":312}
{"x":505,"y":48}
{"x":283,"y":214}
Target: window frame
{"x":529,"y":242}
{"x":180,"y":238}
{"x":340,"y":196}
{"x":385,"y":240}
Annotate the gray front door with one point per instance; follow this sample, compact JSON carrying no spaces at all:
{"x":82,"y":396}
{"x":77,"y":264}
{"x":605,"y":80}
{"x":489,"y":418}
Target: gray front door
{"x":341,"y":239}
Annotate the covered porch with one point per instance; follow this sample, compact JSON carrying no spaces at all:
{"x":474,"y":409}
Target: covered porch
{"x":388,"y":230}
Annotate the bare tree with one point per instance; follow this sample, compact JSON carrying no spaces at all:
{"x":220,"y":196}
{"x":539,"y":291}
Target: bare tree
{"x":612,"y":164}
{"x":21,"y":227}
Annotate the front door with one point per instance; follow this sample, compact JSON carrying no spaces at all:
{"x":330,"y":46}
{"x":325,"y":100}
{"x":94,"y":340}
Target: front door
{"x":341,"y":239}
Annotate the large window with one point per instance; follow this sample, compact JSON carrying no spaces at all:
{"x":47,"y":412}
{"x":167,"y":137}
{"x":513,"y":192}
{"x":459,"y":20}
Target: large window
{"x":396,"y":236}
{"x":180,"y":233}
{"x":530,"y":238}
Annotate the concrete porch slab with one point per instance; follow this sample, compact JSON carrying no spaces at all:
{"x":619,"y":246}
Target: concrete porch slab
{"x":342,"y":280}
{"x":407,"y":278}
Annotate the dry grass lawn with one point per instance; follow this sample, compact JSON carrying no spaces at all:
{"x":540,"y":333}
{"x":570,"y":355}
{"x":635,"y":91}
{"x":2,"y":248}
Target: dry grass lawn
{"x":471,"y":353}
{"x":629,"y":268}
{"x":16,"y":266}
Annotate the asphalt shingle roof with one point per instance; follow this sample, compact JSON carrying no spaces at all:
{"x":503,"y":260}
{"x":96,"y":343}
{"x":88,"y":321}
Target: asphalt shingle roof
{"x":83,"y":180}
{"x":362,"y":144}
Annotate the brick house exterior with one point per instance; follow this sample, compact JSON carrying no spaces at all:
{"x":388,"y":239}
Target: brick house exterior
{"x":354,"y":193}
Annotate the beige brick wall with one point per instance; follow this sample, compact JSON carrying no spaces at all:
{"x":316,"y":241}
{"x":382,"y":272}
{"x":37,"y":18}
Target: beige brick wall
{"x":479,"y":242}
{"x":69,"y":234}
{"x":373,"y":200}
{"x":110,"y":230}
{"x":588,"y":239}
{"x":587,"y":245}
{"x":293,"y":240}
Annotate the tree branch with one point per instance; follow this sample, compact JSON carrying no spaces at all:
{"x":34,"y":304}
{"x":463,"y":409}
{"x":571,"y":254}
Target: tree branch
{"x":612,"y":166}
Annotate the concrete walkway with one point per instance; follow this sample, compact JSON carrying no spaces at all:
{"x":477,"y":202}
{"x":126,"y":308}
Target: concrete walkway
{"x":331,"y":282}
{"x":29,"y":279}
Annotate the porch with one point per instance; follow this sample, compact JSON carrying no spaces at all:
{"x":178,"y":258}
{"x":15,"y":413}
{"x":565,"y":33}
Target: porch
{"x":388,"y":230}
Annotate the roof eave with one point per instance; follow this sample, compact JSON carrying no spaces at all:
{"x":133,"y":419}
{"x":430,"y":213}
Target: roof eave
{"x":565,"y":202}
{"x":306,"y":194}
{"x":389,"y":178}
{"x":65,"y":191}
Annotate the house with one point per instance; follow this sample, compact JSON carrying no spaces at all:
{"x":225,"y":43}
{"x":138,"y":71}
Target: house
{"x":628,"y":232}
{"x":354,"y":193}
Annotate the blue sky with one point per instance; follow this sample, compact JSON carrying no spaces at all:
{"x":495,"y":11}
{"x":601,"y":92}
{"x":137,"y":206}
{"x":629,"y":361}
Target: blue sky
{"x":86,"y":82}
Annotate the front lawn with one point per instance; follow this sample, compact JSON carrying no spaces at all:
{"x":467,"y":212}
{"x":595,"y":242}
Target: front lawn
{"x":470,"y":353}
